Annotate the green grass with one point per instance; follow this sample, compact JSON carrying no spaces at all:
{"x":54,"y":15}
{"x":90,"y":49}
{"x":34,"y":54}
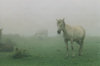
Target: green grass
{"x":52,"y":52}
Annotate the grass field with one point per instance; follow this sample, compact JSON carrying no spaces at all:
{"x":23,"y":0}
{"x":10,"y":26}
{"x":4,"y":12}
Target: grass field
{"x":52,"y":52}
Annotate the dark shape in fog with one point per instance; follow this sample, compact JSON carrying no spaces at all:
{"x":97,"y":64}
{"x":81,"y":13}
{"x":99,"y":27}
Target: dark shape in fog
{"x":20,"y":53}
{"x":41,"y":34}
{"x":7,"y":46}
{"x":0,"y":34}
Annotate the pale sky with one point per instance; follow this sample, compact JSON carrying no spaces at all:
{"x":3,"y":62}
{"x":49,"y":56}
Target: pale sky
{"x":25,"y":17}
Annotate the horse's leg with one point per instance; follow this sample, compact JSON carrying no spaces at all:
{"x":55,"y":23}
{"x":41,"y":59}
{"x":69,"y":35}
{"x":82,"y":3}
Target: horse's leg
{"x":66,"y":41}
{"x":81,"y":47}
{"x":73,"y":54}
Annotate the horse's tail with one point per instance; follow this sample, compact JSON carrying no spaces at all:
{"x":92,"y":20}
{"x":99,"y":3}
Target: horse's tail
{"x":84,"y":33}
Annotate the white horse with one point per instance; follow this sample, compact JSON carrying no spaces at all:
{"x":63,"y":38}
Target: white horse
{"x":72,"y":34}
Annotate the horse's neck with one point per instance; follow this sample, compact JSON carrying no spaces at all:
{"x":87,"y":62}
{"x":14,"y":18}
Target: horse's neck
{"x":67,"y":28}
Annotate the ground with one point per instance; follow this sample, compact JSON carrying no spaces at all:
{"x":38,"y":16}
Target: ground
{"x":52,"y":52}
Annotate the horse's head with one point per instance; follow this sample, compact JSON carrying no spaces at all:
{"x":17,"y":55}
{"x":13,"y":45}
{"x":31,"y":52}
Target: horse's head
{"x":60,"y":25}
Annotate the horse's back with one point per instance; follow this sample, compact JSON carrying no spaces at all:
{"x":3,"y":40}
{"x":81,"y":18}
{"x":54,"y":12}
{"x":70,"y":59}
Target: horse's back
{"x":79,"y":31}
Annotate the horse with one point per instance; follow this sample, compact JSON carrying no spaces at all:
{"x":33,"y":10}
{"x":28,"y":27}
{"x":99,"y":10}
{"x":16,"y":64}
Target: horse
{"x":71,"y":34}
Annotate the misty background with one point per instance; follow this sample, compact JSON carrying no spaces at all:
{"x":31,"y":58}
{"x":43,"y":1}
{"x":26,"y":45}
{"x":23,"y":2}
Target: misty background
{"x":25,"y":17}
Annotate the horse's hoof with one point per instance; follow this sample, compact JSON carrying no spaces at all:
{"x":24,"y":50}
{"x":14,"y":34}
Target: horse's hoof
{"x":80,"y":54}
{"x":67,"y":55}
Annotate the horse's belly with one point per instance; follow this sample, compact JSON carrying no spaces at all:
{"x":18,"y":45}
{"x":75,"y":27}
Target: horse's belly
{"x":75,"y":36}
{"x":67,"y":36}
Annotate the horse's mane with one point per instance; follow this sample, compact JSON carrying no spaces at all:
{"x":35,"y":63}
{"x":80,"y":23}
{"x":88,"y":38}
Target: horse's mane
{"x":68,"y":26}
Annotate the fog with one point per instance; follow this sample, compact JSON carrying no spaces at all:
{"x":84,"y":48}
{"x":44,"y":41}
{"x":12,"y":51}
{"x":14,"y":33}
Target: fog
{"x":25,"y":17}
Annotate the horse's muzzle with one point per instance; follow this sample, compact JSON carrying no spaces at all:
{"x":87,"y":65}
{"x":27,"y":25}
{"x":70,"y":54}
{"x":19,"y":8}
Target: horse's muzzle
{"x":58,"y":32}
